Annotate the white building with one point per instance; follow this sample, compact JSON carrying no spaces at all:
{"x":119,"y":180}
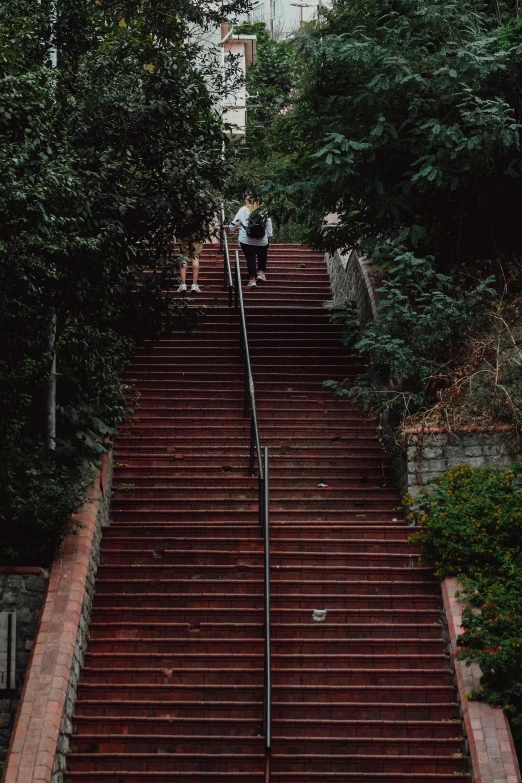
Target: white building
{"x":285,"y":17}
{"x":282,"y":18}
{"x":243,"y":49}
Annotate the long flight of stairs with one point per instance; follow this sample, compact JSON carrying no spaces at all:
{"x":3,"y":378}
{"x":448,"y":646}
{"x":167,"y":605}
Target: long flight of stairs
{"x":172,"y":687}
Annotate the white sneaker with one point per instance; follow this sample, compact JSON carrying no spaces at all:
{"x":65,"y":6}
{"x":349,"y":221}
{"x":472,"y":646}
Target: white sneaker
{"x":251,"y":284}
{"x":195,"y":287}
{"x":182,"y":288}
{"x":261,"y":276}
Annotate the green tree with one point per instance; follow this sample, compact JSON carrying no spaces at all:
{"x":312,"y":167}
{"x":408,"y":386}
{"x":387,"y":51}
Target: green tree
{"x":407,"y":126}
{"x":270,"y":85}
{"x":272,"y":88}
{"x":104,"y":160}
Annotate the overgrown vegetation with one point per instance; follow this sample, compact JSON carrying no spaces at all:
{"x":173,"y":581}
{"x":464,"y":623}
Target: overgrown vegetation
{"x":406,"y":124}
{"x":483,"y":383}
{"x":104,"y":160}
{"x":271,"y":90}
{"x":472,"y":528}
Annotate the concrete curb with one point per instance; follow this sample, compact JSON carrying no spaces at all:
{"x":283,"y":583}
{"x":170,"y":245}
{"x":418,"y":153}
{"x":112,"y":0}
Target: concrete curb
{"x":491,"y":747}
{"x":40,"y":736}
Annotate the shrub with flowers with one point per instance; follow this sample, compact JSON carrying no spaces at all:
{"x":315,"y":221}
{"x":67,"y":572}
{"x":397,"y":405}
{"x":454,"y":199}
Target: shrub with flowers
{"x":472,"y":528}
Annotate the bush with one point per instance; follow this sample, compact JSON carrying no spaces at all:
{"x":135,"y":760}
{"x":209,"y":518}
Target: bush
{"x":288,"y":232}
{"x":405,"y":121}
{"x":423,"y":319}
{"x":40,"y":492}
{"x":104,"y":159}
{"x":472,"y":528}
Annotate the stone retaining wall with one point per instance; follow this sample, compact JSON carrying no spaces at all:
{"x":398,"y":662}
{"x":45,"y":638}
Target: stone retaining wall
{"x":353,"y":279}
{"x":426,"y":455}
{"x":40,"y":739}
{"x":22,"y":591}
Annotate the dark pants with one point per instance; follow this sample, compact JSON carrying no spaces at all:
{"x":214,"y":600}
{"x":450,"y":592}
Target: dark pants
{"x":252,"y":252}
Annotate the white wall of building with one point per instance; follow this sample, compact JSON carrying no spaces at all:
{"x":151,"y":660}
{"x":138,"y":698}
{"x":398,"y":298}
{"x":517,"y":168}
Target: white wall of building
{"x":241,"y":48}
{"x":283,"y":17}
{"x":234,"y":104}
{"x":217,"y":45}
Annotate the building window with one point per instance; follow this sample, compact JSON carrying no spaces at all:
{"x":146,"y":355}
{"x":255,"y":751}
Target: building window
{"x":258,"y":13}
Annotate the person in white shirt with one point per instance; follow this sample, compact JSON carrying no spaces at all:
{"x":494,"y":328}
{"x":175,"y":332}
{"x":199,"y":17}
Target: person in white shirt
{"x":255,"y":248}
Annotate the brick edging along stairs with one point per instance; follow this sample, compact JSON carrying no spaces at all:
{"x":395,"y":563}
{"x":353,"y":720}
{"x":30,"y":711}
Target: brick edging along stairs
{"x":172,"y":687}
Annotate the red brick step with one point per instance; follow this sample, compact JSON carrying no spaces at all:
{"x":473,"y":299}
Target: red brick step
{"x":172,"y":687}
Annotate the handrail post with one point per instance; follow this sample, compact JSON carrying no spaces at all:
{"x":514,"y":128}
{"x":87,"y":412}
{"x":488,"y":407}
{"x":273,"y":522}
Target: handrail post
{"x":226,"y":271}
{"x":238,"y":283}
{"x":246,"y":409}
{"x":268,"y":651}
{"x":268,"y":764}
{"x":252,"y":443}
{"x":242,"y":350}
{"x":261,"y":502}
{"x":223,"y":247}
{"x":228,"y":281}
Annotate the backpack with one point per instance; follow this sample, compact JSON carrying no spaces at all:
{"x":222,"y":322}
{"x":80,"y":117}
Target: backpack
{"x":256,"y":226}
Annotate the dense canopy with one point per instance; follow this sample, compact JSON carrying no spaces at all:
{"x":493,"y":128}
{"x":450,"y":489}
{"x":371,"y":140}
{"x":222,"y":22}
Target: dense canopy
{"x":103,"y":160}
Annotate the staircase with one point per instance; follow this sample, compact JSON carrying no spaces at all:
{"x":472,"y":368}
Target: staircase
{"x":172,"y":687}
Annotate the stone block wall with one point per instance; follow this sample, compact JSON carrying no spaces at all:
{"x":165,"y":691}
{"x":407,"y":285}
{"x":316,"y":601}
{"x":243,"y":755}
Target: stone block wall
{"x":353,"y":279}
{"x":22,"y":590}
{"x":428,"y":454}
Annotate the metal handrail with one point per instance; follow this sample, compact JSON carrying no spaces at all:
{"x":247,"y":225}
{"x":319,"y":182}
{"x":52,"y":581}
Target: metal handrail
{"x":250,"y":397}
{"x":265,"y":513}
{"x":223,"y":249}
{"x":250,"y":408}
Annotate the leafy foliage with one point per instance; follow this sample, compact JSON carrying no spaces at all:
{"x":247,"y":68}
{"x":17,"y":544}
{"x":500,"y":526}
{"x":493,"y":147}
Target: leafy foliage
{"x":270,"y":86}
{"x":420,"y":321}
{"x":104,"y":160}
{"x":271,"y":89}
{"x":472,"y":528}
{"x":484,"y":379}
{"x":406,"y":125}
{"x":409,"y":126}
{"x":471,"y":521}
